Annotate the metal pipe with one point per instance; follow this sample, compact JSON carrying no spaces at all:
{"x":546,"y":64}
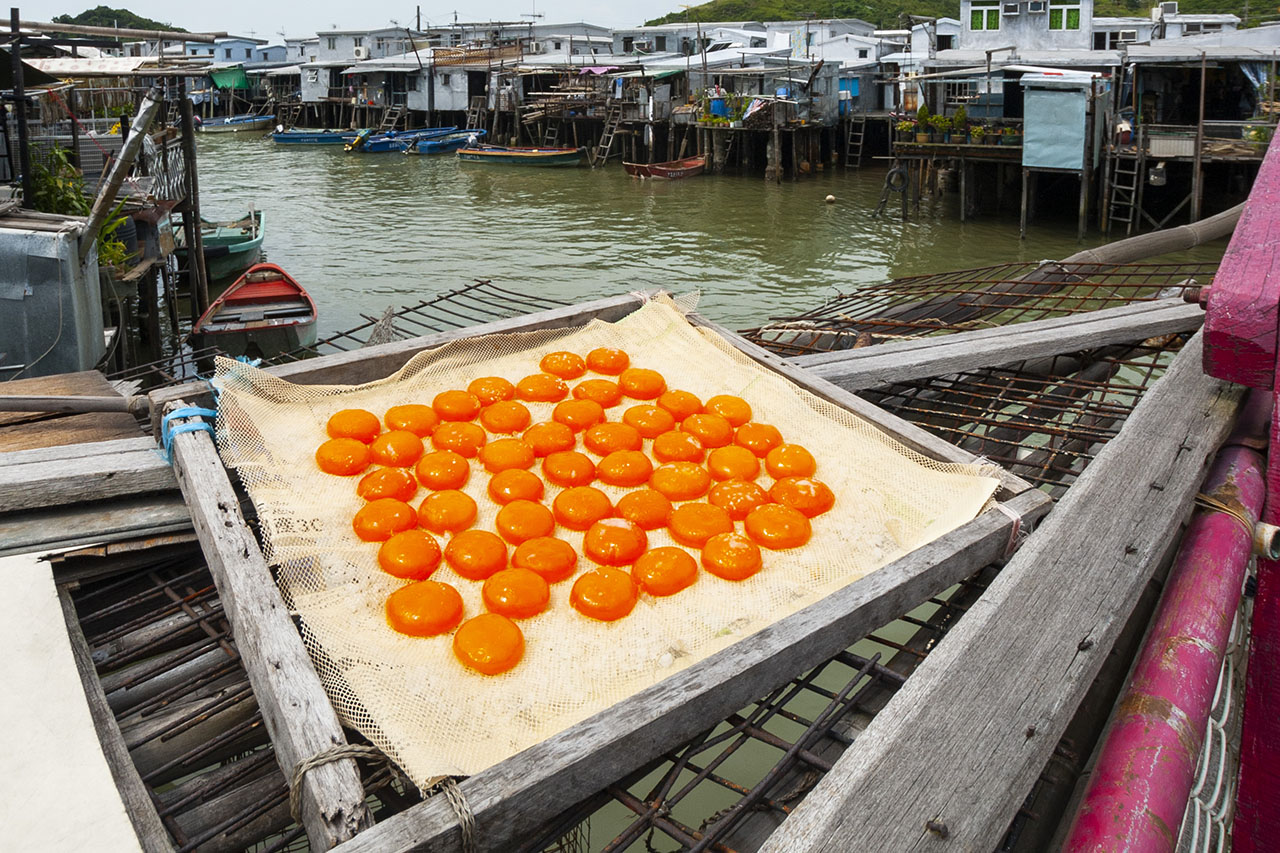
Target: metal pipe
{"x":1145,"y":770}
{"x":20,"y":112}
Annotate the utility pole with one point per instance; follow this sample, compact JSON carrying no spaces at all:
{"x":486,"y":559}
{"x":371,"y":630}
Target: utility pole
{"x":419,"y":24}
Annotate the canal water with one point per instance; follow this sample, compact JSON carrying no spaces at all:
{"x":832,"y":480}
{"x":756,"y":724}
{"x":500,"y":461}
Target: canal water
{"x":365,"y":231}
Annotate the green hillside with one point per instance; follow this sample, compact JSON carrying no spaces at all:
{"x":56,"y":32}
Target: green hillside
{"x":104,"y":16}
{"x":887,"y":14}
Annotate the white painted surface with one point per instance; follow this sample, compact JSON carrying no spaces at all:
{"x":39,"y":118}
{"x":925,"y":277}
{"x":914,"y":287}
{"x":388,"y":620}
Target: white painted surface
{"x":56,"y":791}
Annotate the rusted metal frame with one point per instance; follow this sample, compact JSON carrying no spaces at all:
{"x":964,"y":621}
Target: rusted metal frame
{"x":204,"y":790}
{"x":196,"y":682}
{"x":146,"y":650}
{"x":145,"y":707}
{"x":685,"y":835}
{"x":285,"y":842}
{"x":193,"y":717}
{"x":229,"y":736}
{"x":110,"y":587}
{"x":127,"y":603}
{"x":185,"y":603}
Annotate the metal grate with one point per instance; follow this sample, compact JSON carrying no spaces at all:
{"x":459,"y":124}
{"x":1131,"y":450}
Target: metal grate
{"x":1003,"y":295}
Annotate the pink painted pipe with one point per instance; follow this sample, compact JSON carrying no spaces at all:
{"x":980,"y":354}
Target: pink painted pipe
{"x":1139,"y":789}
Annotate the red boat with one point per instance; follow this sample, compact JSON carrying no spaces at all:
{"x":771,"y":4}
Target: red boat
{"x":671,"y":170}
{"x":264,"y":313}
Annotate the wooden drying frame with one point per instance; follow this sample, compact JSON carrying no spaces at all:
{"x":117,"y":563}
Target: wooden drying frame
{"x":522,"y":792}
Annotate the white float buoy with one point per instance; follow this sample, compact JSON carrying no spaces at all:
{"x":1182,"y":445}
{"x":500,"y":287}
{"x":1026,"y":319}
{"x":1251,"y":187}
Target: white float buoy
{"x":831,"y":199}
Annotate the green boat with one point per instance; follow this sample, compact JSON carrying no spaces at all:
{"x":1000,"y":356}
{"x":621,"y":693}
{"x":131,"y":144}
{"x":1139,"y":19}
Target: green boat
{"x":521,"y":156}
{"x":230,"y":248}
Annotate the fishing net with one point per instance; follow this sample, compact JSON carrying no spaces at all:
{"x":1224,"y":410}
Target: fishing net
{"x":410,"y":696}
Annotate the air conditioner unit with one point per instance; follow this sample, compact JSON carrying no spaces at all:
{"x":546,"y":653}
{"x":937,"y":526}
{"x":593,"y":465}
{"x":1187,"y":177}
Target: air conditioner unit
{"x":1037,"y":7}
{"x":537,"y":47}
{"x":1007,"y":9}
{"x":361,"y":52}
{"x":1169,"y":8}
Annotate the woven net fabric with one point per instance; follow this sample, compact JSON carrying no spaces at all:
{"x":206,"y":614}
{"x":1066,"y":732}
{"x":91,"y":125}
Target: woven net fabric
{"x":409,"y":695}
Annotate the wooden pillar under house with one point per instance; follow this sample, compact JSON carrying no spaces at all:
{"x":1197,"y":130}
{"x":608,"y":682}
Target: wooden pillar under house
{"x":1025,"y":212}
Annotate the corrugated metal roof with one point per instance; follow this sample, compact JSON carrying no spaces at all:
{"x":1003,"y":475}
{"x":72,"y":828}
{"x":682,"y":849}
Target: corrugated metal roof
{"x":115,"y":66}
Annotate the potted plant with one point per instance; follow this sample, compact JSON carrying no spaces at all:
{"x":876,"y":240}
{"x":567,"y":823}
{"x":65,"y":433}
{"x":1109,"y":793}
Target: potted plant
{"x":960,"y":125}
{"x":976,"y":133}
{"x":906,"y":130}
{"x":1012,"y":135}
{"x":992,"y":136}
{"x":941,"y":126}
{"x":923,"y":127}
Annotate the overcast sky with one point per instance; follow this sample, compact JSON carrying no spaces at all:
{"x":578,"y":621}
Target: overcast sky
{"x":268,"y":19}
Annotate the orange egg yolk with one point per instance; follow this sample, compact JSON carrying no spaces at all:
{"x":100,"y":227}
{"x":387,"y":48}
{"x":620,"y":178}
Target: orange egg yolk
{"x":615,"y":542}
{"x":520,"y":521}
{"x":506,"y":453}
{"x":731,"y":556}
{"x":811,"y":497}
{"x":491,"y":389}
{"x":443,"y":469}
{"x":447,"y":511}
{"x":680,"y":404}
{"x":553,"y":559}
{"x":358,"y":424}
{"x":424,"y":609}
{"x":647,"y":508}
{"x":566,"y":365}
{"x":681,"y":481}
{"x":505,"y":417}
{"x":711,"y":430}
{"x":396,"y":449}
{"x":733,"y":463}
{"x":568,"y":468}
{"x":343,"y":456}
{"x":608,"y":361}
{"x":678,"y":446}
{"x":624,"y":468}
{"x":695,"y":523}
{"x":489,"y":643}
{"x":609,"y":437}
{"x":737,"y":497}
{"x":515,"y":484}
{"x":758,"y":438}
{"x":378,"y":521}
{"x":476,"y":554}
{"x":456,"y":405}
{"x":735,"y":410}
{"x":665,"y":571}
{"x":410,"y":554}
{"x":549,"y":437}
{"x":606,"y":594}
{"x":642,"y":383}
{"x":580,"y":507}
{"x":460,"y":437}
{"x":577,"y":415}
{"x":790,"y":460}
{"x":541,"y":388}
{"x":387,"y":483}
{"x":416,"y":418}
{"x":516,"y":593}
{"x":608,"y":394}
{"x":777,"y":527}
{"x":649,"y":421}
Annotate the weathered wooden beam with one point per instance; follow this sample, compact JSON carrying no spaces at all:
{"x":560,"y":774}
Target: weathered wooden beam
{"x":517,"y":795}
{"x":71,"y":404}
{"x":920,"y":358}
{"x":377,"y":362}
{"x":920,"y":440}
{"x":80,"y":473}
{"x":105,"y":521}
{"x":954,"y":754}
{"x":297,"y":713}
{"x":134,"y":794}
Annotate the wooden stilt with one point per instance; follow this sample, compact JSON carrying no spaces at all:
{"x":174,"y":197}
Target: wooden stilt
{"x":1022,"y":219}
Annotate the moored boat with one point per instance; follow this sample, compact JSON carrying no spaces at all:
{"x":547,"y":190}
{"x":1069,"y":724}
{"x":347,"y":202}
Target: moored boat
{"x":229,"y":247}
{"x":370,"y":142}
{"x":236,"y":124}
{"x":670,"y":170}
{"x":264,"y":313}
{"x":447,"y":142}
{"x":521,"y":156}
{"x":296,"y":136}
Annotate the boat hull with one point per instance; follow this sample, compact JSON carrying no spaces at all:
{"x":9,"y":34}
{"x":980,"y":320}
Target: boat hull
{"x":236,"y":124}
{"x":229,"y":248}
{"x":522,"y":156}
{"x":264,"y":313}
{"x":317,"y":137}
{"x":444,"y":144}
{"x":395,"y":141}
{"x":671,"y":170}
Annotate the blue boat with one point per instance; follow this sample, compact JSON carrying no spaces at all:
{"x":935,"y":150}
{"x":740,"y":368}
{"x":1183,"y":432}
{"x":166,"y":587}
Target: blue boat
{"x":236,"y":124}
{"x":368,"y":142}
{"x":448,"y":142}
{"x":314,"y":137}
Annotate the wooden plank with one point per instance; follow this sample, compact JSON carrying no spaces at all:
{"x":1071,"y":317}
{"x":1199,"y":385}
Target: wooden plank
{"x":962,"y":743}
{"x":33,"y":479}
{"x":517,"y":795}
{"x":914,"y":437}
{"x":24,"y":430}
{"x":108,"y":521}
{"x":297,"y":713}
{"x":66,"y":404}
{"x":903,"y":361}
{"x":152,"y":835}
{"x":377,"y":362}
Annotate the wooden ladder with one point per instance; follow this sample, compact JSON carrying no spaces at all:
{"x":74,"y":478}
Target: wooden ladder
{"x":289,"y":114}
{"x":612,"y":119}
{"x":476,"y":112}
{"x":391,"y":118}
{"x":551,"y":132}
{"x":855,"y":133}
{"x":1126,"y":190}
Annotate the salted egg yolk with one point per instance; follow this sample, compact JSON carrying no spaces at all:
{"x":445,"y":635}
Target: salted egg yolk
{"x":491,"y":389}
{"x":608,"y":437}
{"x":711,"y":430}
{"x":681,"y":481}
{"x":358,"y":424}
{"x":676,"y":446}
{"x":649,"y":421}
{"x":476,"y":554}
{"x":733,"y":463}
{"x":516,"y":593}
{"x":343,"y":456}
{"x":603,"y":391}
{"x":456,"y":405}
{"x":758,"y":438}
{"x":505,"y":417}
{"x":568,"y":468}
{"x":379,"y":520}
{"x":410,"y":554}
{"x":737,"y":497}
{"x":582,"y":506}
{"x":447,"y":511}
{"x":642,"y":383}
{"x":424,"y":609}
{"x":553,"y":559}
{"x":460,"y":437}
{"x":605,"y":594}
{"x":541,"y":388}
{"x":811,"y":497}
{"x":506,"y":453}
{"x":624,"y":468}
{"x":549,"y":437}
{"x":695,"y":523}
{"x":777,"y":527}
{"x":519,"y":521}
{"x":396,"y":449}
{"x":489,"y":643}
{"x":515,"y":484}
{"x":566,"y":365}
{"x":387,"y":483}
{"x":665,"y":571}
{"x":735,"y":410}
{"x":443,"y":469}
{"x":731,"y":556}
{"x":647,"y":508}
{"x":416,"y":418}
{"x":608,"y":361}
{"x":789,"y":460}
{"x":680,"y":404}
{"x":615,"y":542}
{"x":577,"y":415}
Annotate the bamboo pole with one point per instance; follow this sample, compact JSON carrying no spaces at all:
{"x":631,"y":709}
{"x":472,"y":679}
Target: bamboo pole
{"x":119,"y":169}
{"x":83,"y":30}
{"x":1197,"y":178}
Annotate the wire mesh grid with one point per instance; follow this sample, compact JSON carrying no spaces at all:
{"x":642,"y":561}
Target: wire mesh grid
{"x":943,"y":303}
{"x":472,"y":304}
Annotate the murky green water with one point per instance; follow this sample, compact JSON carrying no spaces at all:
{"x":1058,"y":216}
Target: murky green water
{"x":362,"y":232}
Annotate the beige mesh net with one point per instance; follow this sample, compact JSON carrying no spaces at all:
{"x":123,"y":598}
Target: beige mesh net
{"x":410,"y":696}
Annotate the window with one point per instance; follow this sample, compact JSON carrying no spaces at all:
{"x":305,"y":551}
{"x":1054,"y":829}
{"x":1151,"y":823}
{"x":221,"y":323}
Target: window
{"x":331,"y":43}
{"x":413,"y":84}
{"x":660,"y":43}
{"x":862,"y":53}
{"x":248,"y":53}
{"x":226,"y":52}
{"x":444,"y":79}
{"x":555,"y":45}
{"x":1064,"y":14}
{"x":960,"y":91}
{"x":833,"y":32}
{"x":984,"y":15}
{"x":358,"y":41}
{"x":627,"y":43}
{"x":946,"y":42}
